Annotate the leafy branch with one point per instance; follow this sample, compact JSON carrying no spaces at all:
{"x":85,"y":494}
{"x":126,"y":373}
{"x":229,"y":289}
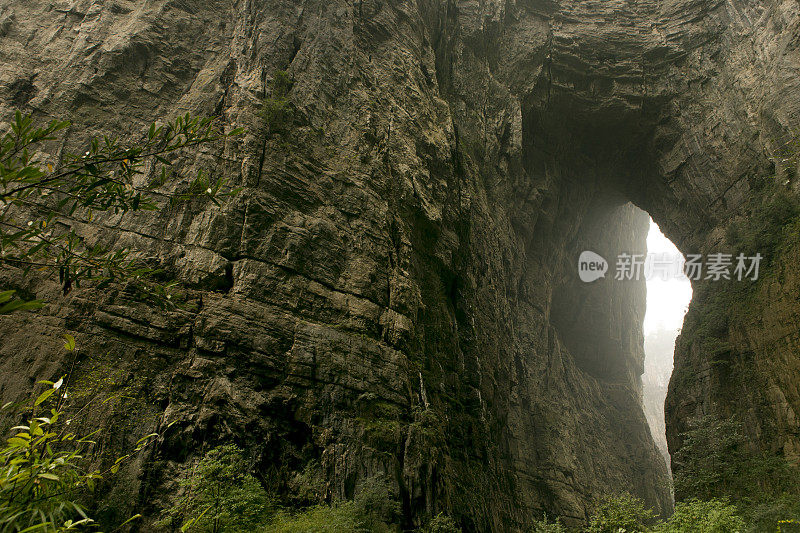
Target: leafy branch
{"x":43,"y":466}
{"x":40,"y":202}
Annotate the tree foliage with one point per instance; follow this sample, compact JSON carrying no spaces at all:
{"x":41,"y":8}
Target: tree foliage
{"x":45,"y":470}
{"x":697,"y":516}
{"x":220,"y":496}
{"x":715,"y":462}
{"x":44,"y":199}
{"x":621,"y":512}
{"x":544,"y":525}
{"x":277,"y":111}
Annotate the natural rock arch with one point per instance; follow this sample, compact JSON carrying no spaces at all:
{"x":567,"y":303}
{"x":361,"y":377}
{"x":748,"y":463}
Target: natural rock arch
{"x":412,"y":249}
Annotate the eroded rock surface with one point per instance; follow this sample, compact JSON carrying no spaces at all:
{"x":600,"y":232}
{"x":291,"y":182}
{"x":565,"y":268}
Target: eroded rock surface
{"x":395,"y":289}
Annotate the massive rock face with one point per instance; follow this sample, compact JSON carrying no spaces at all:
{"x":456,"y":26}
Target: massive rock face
{"x":395,"y":289}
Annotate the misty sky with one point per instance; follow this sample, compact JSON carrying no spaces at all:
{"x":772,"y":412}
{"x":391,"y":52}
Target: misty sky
{"x":667,"y":300}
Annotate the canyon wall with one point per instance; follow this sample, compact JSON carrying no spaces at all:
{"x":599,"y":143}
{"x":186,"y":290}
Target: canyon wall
{"x":395,"y":289}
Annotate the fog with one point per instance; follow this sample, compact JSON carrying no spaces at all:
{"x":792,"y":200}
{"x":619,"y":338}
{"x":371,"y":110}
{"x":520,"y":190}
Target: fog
{"x":667,"y":302}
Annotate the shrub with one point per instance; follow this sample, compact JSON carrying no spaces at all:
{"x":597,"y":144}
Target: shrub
{"x":338,"y":518}
{"x":373,"y":510}
{"x":44,"y":468}
{"x":376,"y":505}
{"x":715,"y":462}
{"x":623,"y":512}
{"x":221,"y":496}
{"x":441,"y":523}
{"x":41,"y":476}
{"x":277,"y":111}
{"x":776,"y":514}
{"x":545,"y":526}
{"x":696,"y":516}
{"x":766,"y":224}
{"x":706,"y":465}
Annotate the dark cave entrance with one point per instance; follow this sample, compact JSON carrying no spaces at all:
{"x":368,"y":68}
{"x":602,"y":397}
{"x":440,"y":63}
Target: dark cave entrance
{"x":594,"y":185}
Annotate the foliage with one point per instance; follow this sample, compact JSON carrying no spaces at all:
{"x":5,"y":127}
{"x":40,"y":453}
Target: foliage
{"x":621,"y":513}
{"x":696,"y":516}
{"x":343,"y":517}
{"x":546,"y":526}
{"x":376,"y":505}
{"x":373,"y":510}
{"x":42,"y":202}
{"x":705,"y":464}
{"x":44,"y":470}
{"x":626,"y":514}
{"x":277,"y":111}
{"x":308,"y":487}
{"x":783,"y":510}
{"x":9,"y":303}
{"x":441,"y":523}
{"x":715,"y":462}
{"x":764,"y":231}
{"x":221,"y":496}
{"x":40,"y":473}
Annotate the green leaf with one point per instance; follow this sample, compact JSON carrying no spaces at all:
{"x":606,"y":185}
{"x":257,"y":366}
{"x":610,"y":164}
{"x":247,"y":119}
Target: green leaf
{"x":189,"y":524}
{"x":69,"y":345}
{"x":129,"y":520}
{"x":44,"y":396}
{"x":6,"y":296}
{"x":19,"y":305}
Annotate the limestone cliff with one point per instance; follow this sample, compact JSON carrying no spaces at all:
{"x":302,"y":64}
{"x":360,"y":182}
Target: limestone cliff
{"x":395,"y":289}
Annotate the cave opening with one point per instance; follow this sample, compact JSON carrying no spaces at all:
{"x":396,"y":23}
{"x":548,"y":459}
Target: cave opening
{"x":594,"y":175}
{"x":668,"y":297}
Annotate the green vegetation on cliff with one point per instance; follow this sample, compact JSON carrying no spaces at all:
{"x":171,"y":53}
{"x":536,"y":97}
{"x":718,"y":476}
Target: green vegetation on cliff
{"x":47,"y":471}
{"x":220,"y":495}
{"x":44,"y":199}
{"x":716,"y":462}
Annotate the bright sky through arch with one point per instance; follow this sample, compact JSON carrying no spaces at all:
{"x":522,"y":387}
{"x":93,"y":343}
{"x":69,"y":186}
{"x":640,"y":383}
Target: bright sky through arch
{"x":667,"y":300}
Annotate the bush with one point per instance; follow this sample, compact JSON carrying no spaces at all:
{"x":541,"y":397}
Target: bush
{"x":221,"y":496}
{"x":707,"y":463}
{"x":45,"y":471}
{"x":766,"y":225}
{"x":278,"y":112}
{"x":545,"y":526}
{"x":42,"y":476}
{"x":715,"y":462}
{"x":777,"y":514}
{"x":623,"y":512}
{"x":373,"y":510}
{"x":376,"y":505}
{"x":339,"y":518}
{"x":696,"y":516}
{"x":441,"y":523}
